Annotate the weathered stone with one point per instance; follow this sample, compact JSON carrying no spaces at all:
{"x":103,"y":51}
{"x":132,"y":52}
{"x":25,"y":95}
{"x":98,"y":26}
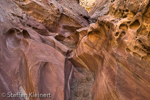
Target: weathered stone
{"x":55,"y":46}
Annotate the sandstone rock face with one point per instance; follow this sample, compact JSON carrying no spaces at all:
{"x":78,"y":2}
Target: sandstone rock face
{"x":45,"y":46}
{"x":100,"y":9}
{"x":31,"y":59}
{"x":57,"y":16}
{"x":116,"y":49}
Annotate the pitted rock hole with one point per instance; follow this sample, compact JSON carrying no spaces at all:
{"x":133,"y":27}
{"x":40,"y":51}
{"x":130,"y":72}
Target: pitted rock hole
{"x":135,"y":24}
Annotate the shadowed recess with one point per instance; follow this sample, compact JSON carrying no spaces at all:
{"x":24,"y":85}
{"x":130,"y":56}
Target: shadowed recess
{"x":135,"y":24}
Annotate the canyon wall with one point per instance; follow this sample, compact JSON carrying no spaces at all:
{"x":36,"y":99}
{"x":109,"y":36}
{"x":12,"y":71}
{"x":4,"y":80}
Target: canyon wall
{"x":57,"y":47}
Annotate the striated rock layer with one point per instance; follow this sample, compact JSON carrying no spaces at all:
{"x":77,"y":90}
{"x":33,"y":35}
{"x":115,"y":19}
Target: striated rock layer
{"x":116,"y":48}
{"x":31,"y":59}
{"x":42,"y":42}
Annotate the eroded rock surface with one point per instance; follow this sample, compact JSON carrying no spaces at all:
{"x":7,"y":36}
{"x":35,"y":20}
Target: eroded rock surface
{"x":31,"y":59}
{"x":116,"y":49}
{"x":42,"y":42}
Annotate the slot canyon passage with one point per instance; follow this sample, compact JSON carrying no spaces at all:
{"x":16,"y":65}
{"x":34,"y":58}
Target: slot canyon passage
{"x":57,"y":47}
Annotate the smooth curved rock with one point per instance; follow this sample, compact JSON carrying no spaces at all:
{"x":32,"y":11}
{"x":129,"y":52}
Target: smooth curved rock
{"x":31,"y":59}
{"x":42,"y":41}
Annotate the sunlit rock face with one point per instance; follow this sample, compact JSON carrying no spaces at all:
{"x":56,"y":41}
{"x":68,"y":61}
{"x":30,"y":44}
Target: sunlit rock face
{"x":87,"y":4}
{"x":117,"y":49}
